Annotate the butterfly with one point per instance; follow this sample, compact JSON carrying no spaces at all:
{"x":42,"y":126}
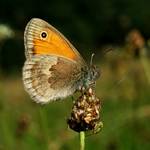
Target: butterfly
{"x":53,"y":69}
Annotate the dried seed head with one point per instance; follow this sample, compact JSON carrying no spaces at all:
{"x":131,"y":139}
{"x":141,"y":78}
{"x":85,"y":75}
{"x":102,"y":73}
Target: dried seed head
{"x":85,"y":112}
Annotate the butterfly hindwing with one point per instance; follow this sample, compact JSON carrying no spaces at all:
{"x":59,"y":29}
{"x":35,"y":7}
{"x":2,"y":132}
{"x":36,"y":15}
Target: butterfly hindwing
{"x":47,"y":78}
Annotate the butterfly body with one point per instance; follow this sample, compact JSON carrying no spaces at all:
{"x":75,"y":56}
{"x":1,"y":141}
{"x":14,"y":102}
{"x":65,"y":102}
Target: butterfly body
{"x":53,"y":68}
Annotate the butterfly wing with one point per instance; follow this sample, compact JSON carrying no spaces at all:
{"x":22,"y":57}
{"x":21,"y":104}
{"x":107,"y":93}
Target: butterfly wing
{"x":54,"y":43}
{"x":47,"y":78}
{"x":53,"y":68}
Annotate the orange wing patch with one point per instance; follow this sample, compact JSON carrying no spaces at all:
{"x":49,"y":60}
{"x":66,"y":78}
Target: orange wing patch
{"x":53,"y":44}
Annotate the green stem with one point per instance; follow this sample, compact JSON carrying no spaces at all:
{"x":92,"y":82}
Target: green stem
{"x":82,"y":140}
{"x":145,"y":63}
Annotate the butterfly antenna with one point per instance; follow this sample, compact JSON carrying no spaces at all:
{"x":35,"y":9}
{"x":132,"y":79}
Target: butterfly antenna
{"x":91,"y":62}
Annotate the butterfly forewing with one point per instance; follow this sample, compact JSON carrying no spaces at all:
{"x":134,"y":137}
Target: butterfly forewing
{"x":53,"y":44}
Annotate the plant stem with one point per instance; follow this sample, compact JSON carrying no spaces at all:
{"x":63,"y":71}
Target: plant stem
{"x":82,"y":140}
{"x":145,"y":63}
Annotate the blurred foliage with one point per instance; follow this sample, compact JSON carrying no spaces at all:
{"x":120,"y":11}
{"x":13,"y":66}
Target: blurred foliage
{"x":125,"y":113}
{"x":88,"y":24}
{"x":120,"y":27}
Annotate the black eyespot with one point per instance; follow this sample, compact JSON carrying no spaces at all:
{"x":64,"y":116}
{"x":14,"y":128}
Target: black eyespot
{"x":44,"y":34}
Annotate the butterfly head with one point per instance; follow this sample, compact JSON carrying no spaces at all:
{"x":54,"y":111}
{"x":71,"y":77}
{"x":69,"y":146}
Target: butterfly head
{"x":93,"y":72}
{"x":90,"y":76}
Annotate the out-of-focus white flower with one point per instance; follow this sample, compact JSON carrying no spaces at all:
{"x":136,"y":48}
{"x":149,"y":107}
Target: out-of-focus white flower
{"x":5,"y":32}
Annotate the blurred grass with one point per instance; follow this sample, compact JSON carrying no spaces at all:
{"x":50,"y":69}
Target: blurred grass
{"x":124,"y":91}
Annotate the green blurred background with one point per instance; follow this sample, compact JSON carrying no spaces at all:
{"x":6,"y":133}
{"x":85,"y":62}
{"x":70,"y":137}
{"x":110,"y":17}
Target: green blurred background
{"x":118,"y":32}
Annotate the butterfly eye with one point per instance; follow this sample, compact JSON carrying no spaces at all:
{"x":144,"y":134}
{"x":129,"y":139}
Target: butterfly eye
{"x":43,"y":35}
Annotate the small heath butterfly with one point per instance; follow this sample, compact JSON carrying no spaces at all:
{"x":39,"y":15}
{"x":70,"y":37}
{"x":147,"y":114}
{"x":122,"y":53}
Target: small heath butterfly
{"x":53,"y":69}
